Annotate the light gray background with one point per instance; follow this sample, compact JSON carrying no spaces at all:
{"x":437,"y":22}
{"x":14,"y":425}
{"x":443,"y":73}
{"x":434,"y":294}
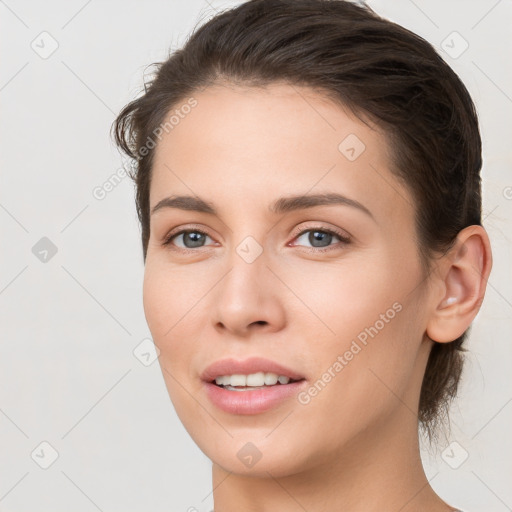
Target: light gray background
{"x":70,"y":325}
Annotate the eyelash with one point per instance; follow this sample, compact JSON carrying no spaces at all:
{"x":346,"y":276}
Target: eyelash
{"x":344,"y":239}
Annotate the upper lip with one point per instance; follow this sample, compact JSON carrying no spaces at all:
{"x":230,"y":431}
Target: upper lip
{"x":247,"y":366}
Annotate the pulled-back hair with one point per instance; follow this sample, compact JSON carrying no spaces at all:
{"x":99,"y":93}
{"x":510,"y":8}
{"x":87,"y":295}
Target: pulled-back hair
{"x":381,"y":72}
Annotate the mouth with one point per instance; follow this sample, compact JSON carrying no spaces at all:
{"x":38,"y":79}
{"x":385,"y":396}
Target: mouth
{"x":251,"y":386}
{"x":245,"y":400}
{"x":255,"y":371}
{"x":229,"y":387}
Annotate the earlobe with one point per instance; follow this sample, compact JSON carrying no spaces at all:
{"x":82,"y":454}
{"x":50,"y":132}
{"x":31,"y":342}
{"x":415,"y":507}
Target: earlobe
{"x":464,"y":274}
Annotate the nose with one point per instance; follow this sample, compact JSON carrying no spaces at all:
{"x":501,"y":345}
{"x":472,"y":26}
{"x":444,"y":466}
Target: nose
{"x":248,"y":298}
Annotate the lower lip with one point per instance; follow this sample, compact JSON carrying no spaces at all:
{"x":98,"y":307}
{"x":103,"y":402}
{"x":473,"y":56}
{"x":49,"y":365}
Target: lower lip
{"x":252,"y":402}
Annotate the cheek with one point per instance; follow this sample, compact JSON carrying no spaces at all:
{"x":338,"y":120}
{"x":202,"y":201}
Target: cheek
{"x":369,"y":333}
{"x":349,"y":296}
{"x":169,"y":310}
{"x":170,"y":299}
{"x":158,"y":302}
{"x":170,"y":314}
{"x":357,"y":385}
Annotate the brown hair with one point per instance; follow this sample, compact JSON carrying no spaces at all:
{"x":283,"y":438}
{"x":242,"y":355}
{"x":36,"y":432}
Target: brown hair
{"x":377,"y":69}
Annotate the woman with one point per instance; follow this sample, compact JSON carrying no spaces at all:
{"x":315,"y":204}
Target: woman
{"x":308,"y":186}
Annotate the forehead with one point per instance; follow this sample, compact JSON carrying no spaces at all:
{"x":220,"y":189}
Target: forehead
{"x":258,"y":142}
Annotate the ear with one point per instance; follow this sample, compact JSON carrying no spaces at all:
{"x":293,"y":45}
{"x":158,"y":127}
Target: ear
{"x":462,"y":276}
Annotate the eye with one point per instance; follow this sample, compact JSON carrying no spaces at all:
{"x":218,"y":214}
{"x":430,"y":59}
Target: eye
{"x":191,"y":238}
{"x":320,"y":238}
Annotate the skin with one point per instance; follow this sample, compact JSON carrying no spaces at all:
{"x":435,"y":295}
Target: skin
{"x":354,"y":446}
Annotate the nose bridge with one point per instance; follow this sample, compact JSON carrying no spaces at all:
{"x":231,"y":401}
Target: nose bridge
{"x":247,"y":261}
{"x":245,"y":295}
{"x":246,"y":240}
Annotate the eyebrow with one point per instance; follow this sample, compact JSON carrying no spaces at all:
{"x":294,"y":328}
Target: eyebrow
{"x":280,"y":206}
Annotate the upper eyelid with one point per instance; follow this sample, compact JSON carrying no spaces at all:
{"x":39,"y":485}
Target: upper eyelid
{"x":295,"y":232}
{"x":335,"y":231}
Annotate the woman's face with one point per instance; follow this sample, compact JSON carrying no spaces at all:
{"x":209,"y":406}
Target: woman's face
{"x":344,"y":311}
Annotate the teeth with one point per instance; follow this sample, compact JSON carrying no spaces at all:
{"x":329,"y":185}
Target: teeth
{"x":252,"y":380}
{"x":271,"y":379}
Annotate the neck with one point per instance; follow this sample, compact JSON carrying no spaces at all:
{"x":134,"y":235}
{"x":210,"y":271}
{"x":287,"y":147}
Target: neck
{"x":377,"y":471}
